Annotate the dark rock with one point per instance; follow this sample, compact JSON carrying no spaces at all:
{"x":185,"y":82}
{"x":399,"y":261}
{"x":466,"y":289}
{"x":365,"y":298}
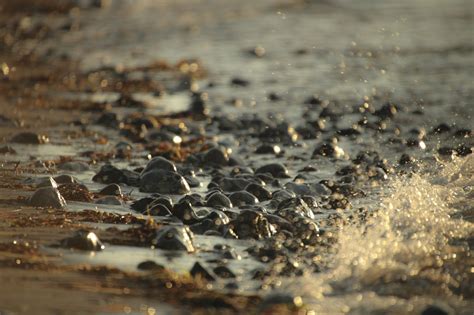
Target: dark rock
{"x":160,"y":163}
{"x":328,"y":149}
{"x":111,"y":190}
{"x":7,"y":150}
{"x":251,"y":224}
{"x":219,"y":200}
{"x":47,"y":197}
{"x":240,"y":82}
{"x":268,"y":149}
{"x":174,"y":238}
{"x":441,"y":128}
{"x":83,"y":240}
{"x":198,"y":271}
{"x":277,"y":170}
{"x":108,"y":119}
{"x":65,"y":179}
{"x":109,"y":174}
{"x":258,"y":191}
{"x":242,"y":198}
{"x":163,"y":182}
{"x":435,"y":310}
{"x":30,"y":138}
{"x":47,"y":182}
{"x":149,"y":265}
{"x":216,"y":157}
{"x":406,"y":159}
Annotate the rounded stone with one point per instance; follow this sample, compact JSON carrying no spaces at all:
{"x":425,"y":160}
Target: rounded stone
{"x":160,"y":163}
{"x":277,"y":170}
{"x":163,"y":182}
{"x":47,"y":197}
{"x":242,"y":198}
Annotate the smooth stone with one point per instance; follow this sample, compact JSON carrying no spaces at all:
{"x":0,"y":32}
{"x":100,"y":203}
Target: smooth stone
{"x":163,"y":182}
{"x":174,"y":238}
{"x":65,"y":179}
{"x":242,"y":198}
{"x":109,"y":174}
{"x":259,"y":191}
{"x":160,"y":163}
{"x":277,"y":170}
{"x":149,"y":265}
{"x":48,"y":197}
{"x":298,"y":189}
{"x":83,"y":240}
{"x":216,"y":157}
{"x":320,"y":189}
{"x":109,"y":200}
{"x":218,"y":200}
{"x":282,"y":194}
{"x":192,"y":181}
{"x":30,"y":138}
{"x":198,"y":271}
{"x":47,"y":182}
{"x":111,"y":190}
{"x":268,"y":149}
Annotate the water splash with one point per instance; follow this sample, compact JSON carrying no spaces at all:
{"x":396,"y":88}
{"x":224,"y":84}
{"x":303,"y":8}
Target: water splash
{"x":415,"y":250}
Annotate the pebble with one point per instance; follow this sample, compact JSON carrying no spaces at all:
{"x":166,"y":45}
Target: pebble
{"x":109,"y":174}
{"x":111,"y":190}
{"x":218,"y":199}
{"x":163,"y":182}
{"x":160,"y":163}
{"x":216,"y":157}
{"x":47,"y":182}
{"x":198,"y":271}
{"x":242,"y":198}
{"x":83,"y":240}
{"x":149,"y":265}
{"x":174,"y":238}
{"x":30,"y":138}
{"x":259,"y":191}
{"x":277,"y":170}
{"x":48,"y":197}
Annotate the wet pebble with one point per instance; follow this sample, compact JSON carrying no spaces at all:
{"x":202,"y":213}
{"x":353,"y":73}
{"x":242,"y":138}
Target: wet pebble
{"x":149,"y":265}
{"x":47,"y":197}
{"x":83,"y":240}
{"x":174,"y":238}
{"x":109,"y":174}
{"x":163,"y":182}
{"x":277,"y":170}
{"x":160,"y":163}
{"x":111,"y":190}
{"x":218,"y":199}
{"x":215,"y":157}
{"x":242,"y":198}
{"x":198,"y":271}
{"x":30,"y":138}
{"x":259,"y":191}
